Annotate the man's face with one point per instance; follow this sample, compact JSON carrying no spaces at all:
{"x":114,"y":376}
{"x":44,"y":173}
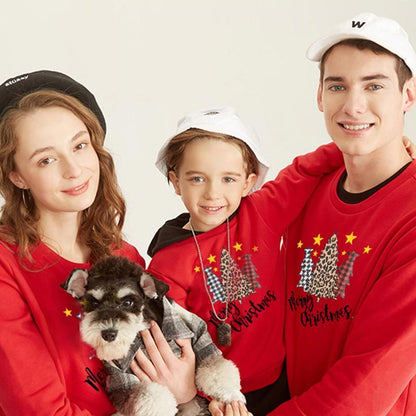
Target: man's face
{"x":361,"y":101}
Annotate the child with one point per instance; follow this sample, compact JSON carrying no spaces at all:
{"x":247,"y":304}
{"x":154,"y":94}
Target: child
{"x":220,"y":259}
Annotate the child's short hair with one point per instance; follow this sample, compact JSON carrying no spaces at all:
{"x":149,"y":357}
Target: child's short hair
{"x":221,"y":124}
{"x":176,"y":147}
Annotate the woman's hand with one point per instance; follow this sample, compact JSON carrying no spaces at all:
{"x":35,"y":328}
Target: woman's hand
{"x":234,"y":409}
{"x":410,"y":147}
{"x":177,"y":374}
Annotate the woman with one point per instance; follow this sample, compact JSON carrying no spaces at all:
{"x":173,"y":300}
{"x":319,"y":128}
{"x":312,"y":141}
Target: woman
{"x":62,"y":209}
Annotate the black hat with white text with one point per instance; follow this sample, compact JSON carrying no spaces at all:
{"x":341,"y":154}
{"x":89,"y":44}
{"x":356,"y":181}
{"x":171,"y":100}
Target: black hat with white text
{"x":13,"y":89}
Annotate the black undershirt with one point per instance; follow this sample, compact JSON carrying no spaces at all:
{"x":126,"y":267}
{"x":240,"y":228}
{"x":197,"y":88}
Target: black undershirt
{"x":355,"y":198}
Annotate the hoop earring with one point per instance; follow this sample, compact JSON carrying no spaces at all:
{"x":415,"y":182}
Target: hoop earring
{"x":26,"y":202}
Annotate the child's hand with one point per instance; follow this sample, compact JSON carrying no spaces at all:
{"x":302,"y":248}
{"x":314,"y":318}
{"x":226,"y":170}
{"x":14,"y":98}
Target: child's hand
{"x":410,"y":147}
{"x":234,"y":409}
{"x":177,"y":374}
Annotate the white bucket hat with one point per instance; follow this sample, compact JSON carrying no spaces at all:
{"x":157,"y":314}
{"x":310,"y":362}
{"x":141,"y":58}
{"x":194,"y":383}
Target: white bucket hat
{"x":383,"y":31}
{"x":218,"y":120}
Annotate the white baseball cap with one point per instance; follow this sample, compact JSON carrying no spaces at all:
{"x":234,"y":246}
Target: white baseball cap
{"x":218,"y":120}
{"x":381,"y":30}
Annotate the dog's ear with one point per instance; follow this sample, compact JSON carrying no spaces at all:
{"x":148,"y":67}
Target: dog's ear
{"x":153,"y":288}
{"x":76,"y":283}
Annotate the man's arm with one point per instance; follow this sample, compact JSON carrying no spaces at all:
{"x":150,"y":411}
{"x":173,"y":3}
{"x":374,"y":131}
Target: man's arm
{"x":378,"y":361}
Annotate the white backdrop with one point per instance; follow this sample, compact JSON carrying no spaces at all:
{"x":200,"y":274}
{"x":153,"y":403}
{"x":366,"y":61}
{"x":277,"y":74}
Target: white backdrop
{"x":149,"y":62}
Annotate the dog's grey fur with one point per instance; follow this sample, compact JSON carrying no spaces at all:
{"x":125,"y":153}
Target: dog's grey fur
{"x":119,"y":299}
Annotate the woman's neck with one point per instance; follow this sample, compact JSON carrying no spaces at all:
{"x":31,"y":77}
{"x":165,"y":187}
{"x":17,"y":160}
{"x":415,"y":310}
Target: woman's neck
{"x":60,"y":233}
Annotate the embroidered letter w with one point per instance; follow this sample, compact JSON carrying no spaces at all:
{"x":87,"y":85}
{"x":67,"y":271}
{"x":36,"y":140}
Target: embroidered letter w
{"x":358,"y":24}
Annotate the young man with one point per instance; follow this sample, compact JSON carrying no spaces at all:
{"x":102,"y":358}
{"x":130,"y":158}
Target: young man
{"x":351,"y":254}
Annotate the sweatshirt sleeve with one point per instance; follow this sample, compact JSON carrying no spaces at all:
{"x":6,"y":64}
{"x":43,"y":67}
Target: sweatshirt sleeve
{"x":29,"y":380}
{"x":281,"y":200}
{"x":378,"y":363}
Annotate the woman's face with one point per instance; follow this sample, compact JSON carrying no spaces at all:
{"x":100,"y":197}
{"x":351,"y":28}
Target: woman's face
{"x":56,"y":161}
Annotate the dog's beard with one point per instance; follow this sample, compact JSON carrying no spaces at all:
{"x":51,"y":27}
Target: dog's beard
{"x":127,"y":330}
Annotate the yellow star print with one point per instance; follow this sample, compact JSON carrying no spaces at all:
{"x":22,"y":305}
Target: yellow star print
{"x":211,"y":258}
{"x":350,"y":238}
{"x":300,"y":244}
{"x":255,"y":248}
{"x":318,"y":239}
{"x":237,"y":246}
{"x":197,"y":269}
{"x":367,"y":249}
{"x":67,"y":312}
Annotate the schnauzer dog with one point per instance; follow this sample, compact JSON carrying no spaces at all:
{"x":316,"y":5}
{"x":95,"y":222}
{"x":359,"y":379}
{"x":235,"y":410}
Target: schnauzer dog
{"x":119,"y":300}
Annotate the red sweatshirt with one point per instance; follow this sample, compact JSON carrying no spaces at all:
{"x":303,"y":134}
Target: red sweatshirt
{"x":45,"y":367}
{"x":255,"y":311}
{"x":351,"y":303}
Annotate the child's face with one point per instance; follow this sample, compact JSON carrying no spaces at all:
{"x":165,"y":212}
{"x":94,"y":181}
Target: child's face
{"x":56,"y":161}
{"x":211,"y":179}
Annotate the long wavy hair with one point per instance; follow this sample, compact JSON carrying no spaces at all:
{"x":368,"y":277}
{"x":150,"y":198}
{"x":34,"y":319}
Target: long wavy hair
{"x":101,"y":223}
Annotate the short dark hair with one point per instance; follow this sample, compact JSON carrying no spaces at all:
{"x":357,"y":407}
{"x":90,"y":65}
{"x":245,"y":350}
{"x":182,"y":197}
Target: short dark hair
{"x":403,"y":71}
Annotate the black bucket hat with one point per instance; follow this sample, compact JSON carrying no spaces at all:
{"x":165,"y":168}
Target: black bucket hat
{"x":12,"y":90}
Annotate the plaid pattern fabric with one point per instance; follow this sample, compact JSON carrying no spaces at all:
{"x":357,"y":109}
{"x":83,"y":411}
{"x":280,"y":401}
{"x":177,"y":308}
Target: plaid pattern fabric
{"x":250,"y":271}
{"x":306,"y":269}
{"x":177,"y":323}
{"x":215,"y":286}
{"x":344,"y":273}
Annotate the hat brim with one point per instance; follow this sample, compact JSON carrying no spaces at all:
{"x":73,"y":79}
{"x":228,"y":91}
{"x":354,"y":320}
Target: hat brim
{"x":261,"y":175}
{"x":317,"y":50}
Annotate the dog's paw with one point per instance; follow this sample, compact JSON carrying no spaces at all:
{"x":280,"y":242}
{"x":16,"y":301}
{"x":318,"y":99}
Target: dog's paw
{"x":220,"y":379}
{"x":147,"y":399}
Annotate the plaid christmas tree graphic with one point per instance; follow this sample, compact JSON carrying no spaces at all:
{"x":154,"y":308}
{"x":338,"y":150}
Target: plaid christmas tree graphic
{"x":250,"y":271}
{"x":237,"y":285}
{"x":344,"y":273}
{"x":306,"y":269}
{"x":233,"y":283}
{"x":325,"y":279}
{"x":215,"y":286}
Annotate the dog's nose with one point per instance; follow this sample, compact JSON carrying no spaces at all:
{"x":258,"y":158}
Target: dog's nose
{"x":109,"y":335}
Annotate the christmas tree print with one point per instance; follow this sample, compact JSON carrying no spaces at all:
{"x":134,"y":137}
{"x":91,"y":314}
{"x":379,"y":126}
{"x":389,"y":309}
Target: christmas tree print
{"x":344,"y":273}
{"x":250,"y":270}
{"x":306,"y":269}
{"x":237,"y":285}
{"x":215,"y":286}
{"x":325,"y":277}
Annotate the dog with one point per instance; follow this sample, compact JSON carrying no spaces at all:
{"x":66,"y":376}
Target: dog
{"x":119,"y":299}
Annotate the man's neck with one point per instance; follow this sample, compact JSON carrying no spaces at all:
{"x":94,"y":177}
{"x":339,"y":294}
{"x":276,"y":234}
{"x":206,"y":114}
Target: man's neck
{"x":365,"y":172}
